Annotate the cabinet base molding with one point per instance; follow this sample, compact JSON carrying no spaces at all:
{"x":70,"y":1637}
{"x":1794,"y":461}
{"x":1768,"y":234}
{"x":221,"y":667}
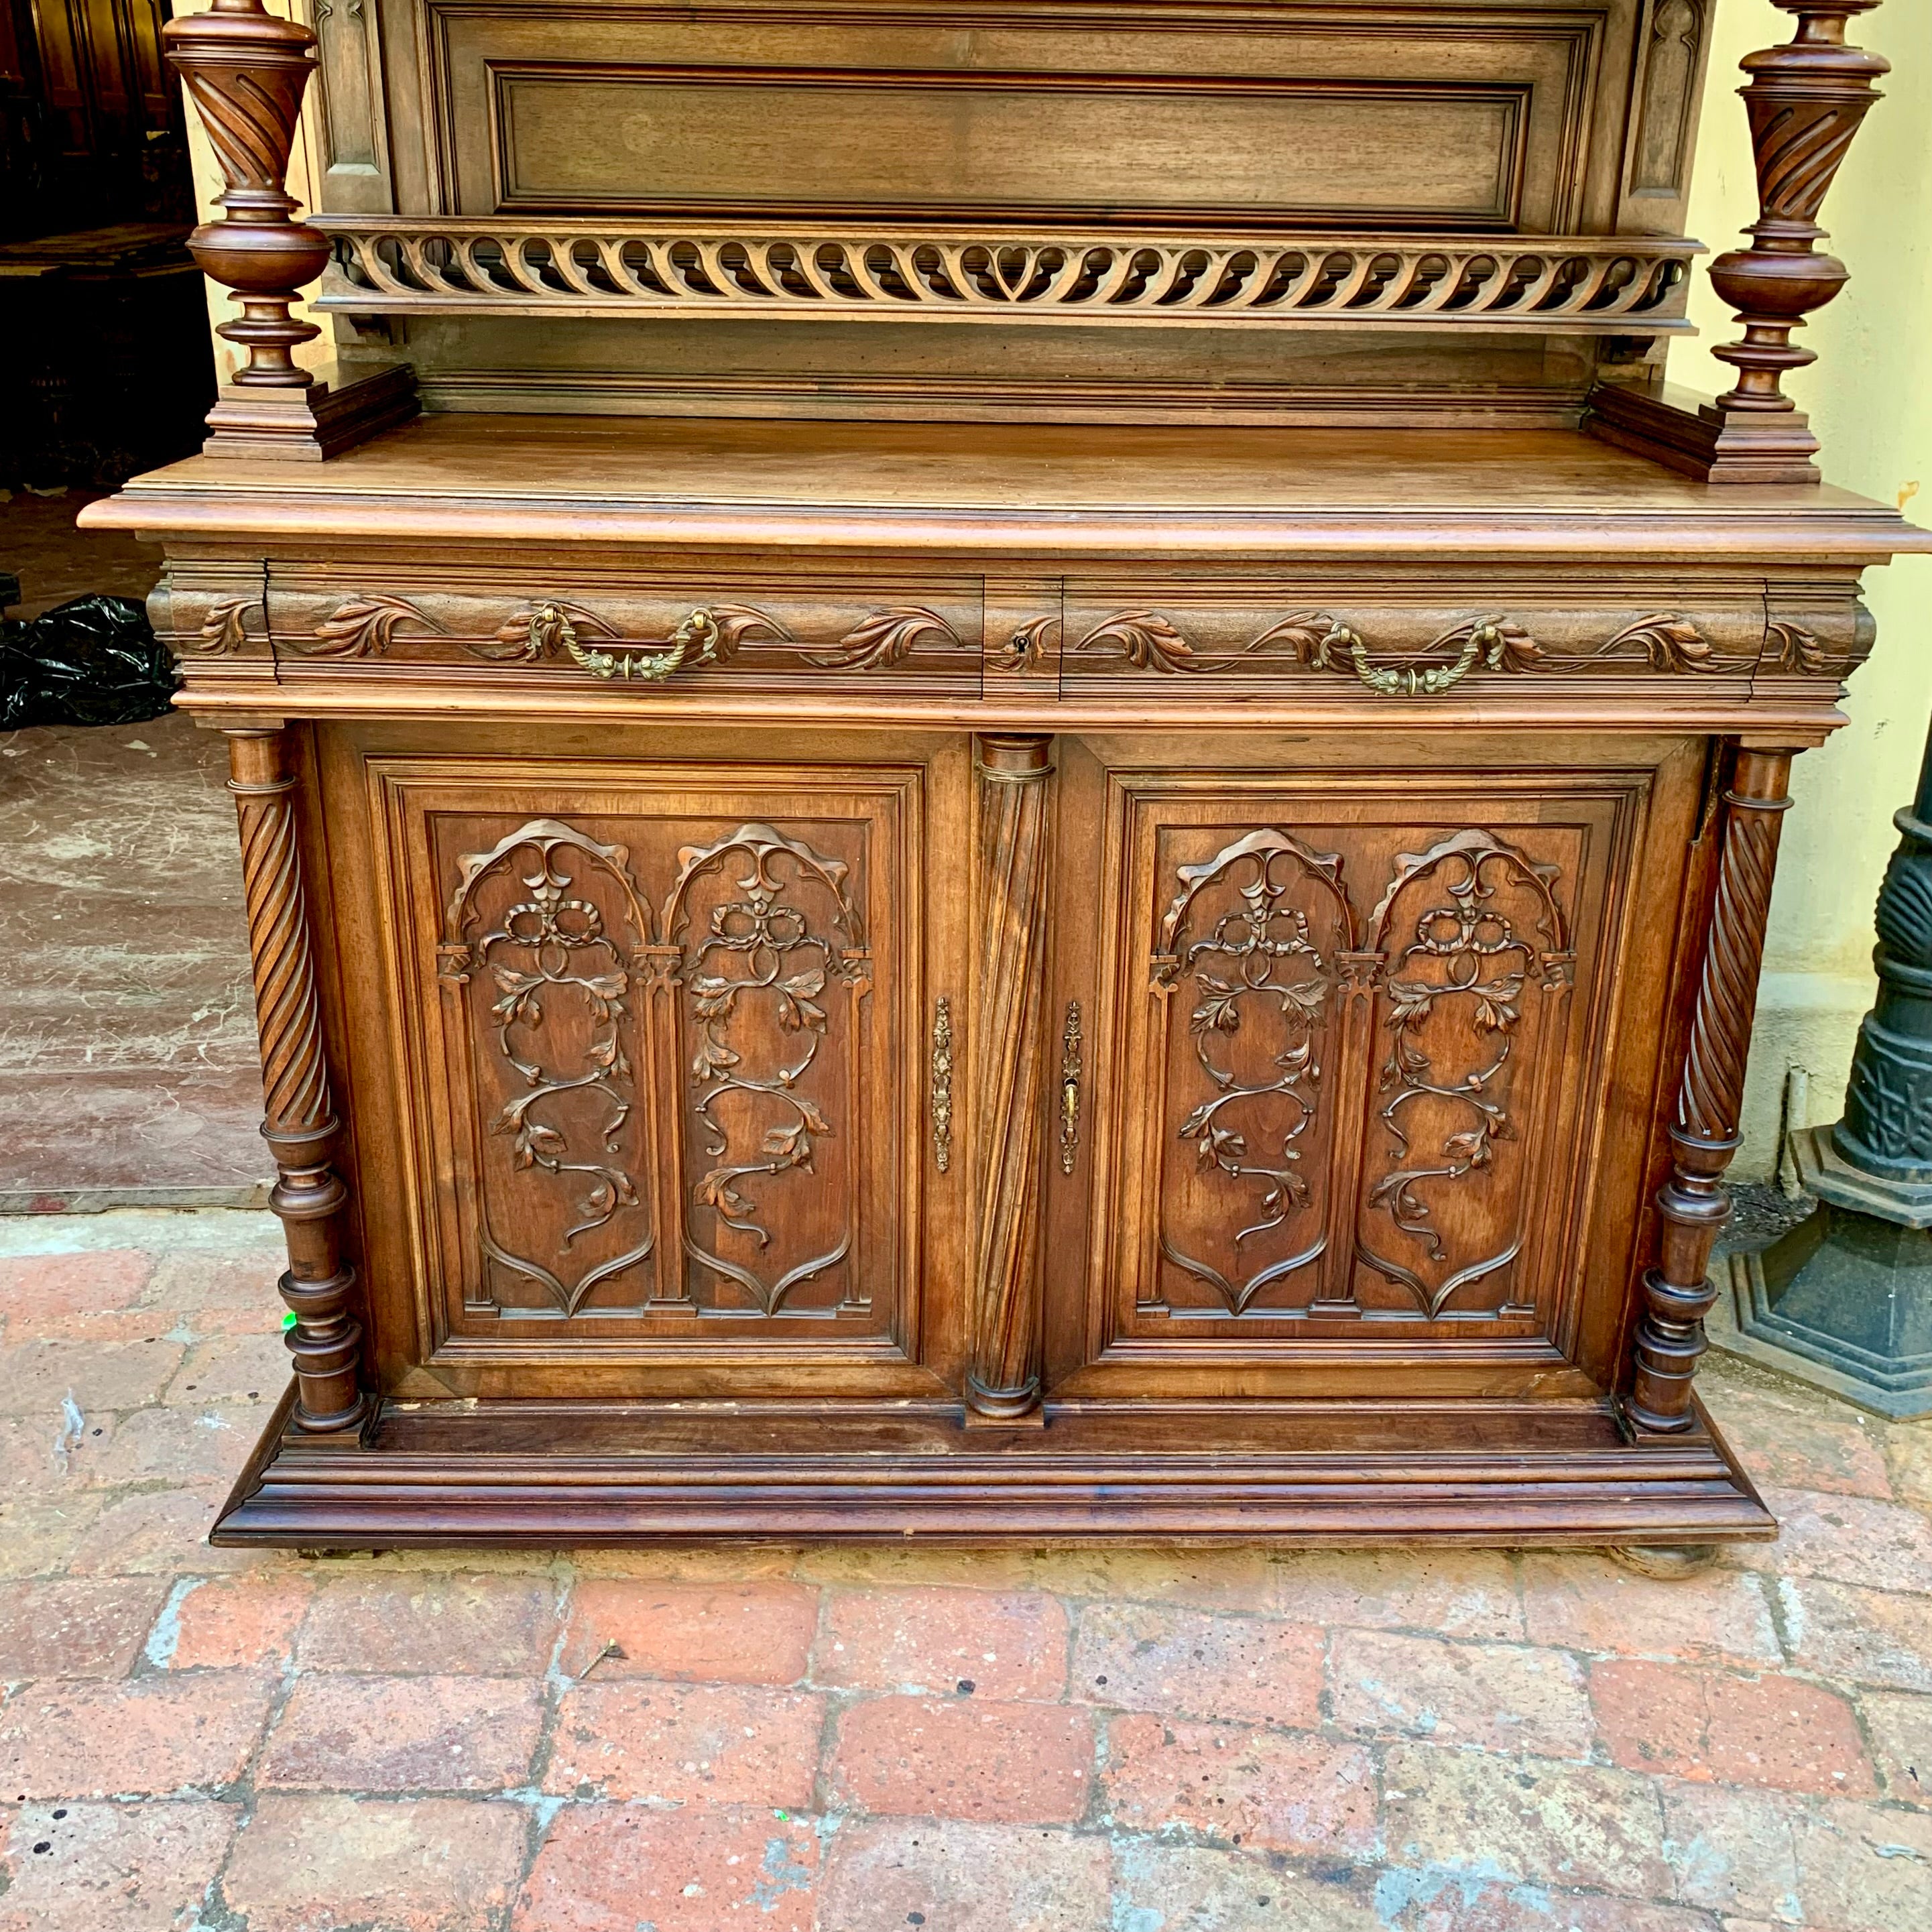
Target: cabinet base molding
{"x":1318,"y":1474}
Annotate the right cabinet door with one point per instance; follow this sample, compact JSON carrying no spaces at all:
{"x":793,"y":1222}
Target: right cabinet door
{"x":1366,"y":1057}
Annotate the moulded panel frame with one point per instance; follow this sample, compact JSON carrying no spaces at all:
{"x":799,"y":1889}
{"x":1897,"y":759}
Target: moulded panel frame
{"x":377,"y":778}
{"x":1649,"y":788}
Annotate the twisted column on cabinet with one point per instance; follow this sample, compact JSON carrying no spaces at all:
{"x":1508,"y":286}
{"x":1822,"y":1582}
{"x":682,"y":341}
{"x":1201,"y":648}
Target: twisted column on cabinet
{"x":1009,"y":1005}
{"x":1678,"y":1291}
{"x":300,"y":1125}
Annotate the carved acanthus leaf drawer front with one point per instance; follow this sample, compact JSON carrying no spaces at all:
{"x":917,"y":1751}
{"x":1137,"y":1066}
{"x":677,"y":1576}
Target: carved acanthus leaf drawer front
{"x":1341,"y":641}
{"x":214,"y":617}
{"x":874,"y":635}
{"x":1814,"y":630}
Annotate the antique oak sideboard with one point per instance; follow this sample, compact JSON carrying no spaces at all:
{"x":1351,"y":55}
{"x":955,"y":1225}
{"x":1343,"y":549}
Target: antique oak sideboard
{"x":1003,"y":772}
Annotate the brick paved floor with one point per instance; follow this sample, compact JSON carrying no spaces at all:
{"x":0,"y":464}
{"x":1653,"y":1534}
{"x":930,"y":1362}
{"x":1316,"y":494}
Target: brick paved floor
{"x":1138,"y":1740}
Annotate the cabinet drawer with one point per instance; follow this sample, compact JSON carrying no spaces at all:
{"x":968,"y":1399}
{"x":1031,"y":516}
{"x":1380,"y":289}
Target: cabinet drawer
{"x":630,"y":631}
{"x":1338,"y":641}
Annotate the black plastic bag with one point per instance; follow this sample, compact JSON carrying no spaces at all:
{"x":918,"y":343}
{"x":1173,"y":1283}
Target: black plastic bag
{"x":95,"y":660}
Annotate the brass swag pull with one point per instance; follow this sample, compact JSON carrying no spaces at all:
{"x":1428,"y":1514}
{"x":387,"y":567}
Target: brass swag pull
{"x":942,"y":1084}
{"x":1485,"y":644}
{"x":1069,"y":1089}
{"x":550,"y":625}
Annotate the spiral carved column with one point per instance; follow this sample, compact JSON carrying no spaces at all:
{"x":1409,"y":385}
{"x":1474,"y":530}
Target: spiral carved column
{"x":300,"y":1125}
{"x":1804,"y":101}
{"x":1008,"y":1061}
{"x":1692,"y":1205}
{"x":246,"y":71}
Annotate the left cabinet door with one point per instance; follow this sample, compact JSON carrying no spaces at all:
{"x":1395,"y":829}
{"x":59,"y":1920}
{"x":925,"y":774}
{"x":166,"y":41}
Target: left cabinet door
{"x":658,"y":1031}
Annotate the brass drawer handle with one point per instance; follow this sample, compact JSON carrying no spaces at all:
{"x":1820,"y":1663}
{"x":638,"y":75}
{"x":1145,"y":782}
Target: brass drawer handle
{"x":550,"y":625}
{"x":1485,"y":644}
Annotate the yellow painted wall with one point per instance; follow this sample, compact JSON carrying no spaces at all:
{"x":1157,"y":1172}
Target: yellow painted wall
{"x":1870,"y":398}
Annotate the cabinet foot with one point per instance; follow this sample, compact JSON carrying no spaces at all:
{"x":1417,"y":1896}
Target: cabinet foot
{"x":1669,"y":1561}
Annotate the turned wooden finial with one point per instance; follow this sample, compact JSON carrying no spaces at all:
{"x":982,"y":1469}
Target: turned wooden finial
{"x":245,"y":71}
{"x":1805,"y":101}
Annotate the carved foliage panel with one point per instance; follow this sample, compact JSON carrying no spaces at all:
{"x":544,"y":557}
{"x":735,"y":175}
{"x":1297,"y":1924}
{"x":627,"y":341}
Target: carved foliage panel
{"x":660,"y":1025}
{"x":1528,"y":640}
{"x":544,"y":954}
{"x":1252,"y":949}
{"x":774,"y":967}
{"x":1351,"y":1069}
{"x":1473,"y":966}
{"x":876,"y":634}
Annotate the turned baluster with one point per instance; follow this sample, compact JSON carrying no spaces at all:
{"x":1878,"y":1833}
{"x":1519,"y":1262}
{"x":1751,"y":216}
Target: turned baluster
{"x":245,"y":71}
{"x":1805,"y":101}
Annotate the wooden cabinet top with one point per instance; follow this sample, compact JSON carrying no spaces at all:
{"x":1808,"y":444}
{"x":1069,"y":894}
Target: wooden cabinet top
{"x":1067,"y":491}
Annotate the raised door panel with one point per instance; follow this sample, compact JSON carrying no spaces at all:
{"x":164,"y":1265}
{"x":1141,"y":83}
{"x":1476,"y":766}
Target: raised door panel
{"x":659,"y":1035}
{"x":1348,"y":1057}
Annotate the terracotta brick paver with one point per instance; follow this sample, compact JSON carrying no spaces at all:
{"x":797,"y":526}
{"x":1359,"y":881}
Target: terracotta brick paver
{"x":863,"y":1740}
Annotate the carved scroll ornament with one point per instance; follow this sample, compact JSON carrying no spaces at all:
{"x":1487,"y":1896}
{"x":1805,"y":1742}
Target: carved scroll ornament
{"x":1270,"y":965}
{"x":719,"y":996}
{"x":1461,"y":953}
{"x":367,"y":625}
{"x":1286,"y":986}
{"x":1318,"y":640}
{"x":755,"y":971}
{"x":559,"y":961}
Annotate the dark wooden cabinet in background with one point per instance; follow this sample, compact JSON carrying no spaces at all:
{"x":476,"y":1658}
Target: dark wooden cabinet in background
{"x":1042,"y":803}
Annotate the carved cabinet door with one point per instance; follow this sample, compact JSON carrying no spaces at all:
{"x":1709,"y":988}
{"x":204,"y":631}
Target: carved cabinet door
{"x":661,"y":1026}
{"x":1349,"y":1045}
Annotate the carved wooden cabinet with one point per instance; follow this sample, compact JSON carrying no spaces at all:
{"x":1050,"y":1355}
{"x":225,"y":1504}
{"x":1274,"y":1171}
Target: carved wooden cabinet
{"x":1040,"y":802}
